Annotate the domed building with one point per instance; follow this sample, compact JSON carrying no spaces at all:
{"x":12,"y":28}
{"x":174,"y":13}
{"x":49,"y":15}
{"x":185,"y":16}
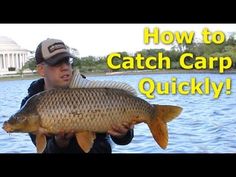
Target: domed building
{"x":12,"y":56}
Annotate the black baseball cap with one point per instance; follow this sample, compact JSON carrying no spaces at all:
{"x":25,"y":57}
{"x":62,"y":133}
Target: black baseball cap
{"x":52,"y":51}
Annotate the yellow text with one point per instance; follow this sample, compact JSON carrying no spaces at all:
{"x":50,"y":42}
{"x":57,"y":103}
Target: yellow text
{"x":201,"y":62}
{"x":139,"y":62}
{"x":167,"y":37}
{"x":217,"y":37}
{"x":149,"y":87}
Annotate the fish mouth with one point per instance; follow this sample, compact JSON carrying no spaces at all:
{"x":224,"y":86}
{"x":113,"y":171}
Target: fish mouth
{"x":7,"y":127}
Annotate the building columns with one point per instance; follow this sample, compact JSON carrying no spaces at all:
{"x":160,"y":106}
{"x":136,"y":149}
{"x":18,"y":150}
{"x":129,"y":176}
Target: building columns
{"x":15,"y":59}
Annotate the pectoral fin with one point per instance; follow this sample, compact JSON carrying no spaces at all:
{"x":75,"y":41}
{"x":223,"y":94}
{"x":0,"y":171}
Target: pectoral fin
{"x":41,"y":142}
{"x":85,"y":140}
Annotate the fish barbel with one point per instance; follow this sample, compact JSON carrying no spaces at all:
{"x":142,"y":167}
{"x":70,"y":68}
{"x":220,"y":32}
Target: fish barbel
{"x":86,"y":111}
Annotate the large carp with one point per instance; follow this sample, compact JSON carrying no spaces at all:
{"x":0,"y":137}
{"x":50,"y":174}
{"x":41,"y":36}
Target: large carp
{"x":86,"y":111}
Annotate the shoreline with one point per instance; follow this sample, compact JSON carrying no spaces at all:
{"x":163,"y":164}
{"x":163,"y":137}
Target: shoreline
{"x":177,"y":71}
{"x":19,"y":77}
{"x":141,"y":72}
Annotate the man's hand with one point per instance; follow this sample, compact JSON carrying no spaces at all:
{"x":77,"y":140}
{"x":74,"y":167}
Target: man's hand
{"x":63,"y":139}
{"x":120,"y":131}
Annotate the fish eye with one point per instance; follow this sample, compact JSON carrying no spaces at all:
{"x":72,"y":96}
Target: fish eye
{"x":23,"y":118}
{"x":17,"y":118}
{"x":20,"y":118}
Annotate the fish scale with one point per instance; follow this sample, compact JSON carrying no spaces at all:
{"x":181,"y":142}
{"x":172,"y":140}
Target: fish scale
{"x":94,"y":113}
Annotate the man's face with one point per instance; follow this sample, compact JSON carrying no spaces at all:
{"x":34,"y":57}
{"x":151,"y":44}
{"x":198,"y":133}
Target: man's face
{"x":57,"y":76}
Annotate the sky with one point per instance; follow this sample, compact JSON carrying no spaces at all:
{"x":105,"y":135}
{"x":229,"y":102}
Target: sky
{"x":100,"y":39}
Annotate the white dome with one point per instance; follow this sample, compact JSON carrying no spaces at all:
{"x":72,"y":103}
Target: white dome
{"x":8,"y":44}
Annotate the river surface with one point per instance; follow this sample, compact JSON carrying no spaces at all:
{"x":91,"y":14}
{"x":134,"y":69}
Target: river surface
{"x":206,"y":125}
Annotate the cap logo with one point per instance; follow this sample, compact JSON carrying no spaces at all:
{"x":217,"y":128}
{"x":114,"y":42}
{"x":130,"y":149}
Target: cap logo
{"x":56,"y":46}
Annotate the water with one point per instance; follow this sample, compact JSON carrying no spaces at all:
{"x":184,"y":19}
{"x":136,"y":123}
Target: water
{"x":206,"y":125}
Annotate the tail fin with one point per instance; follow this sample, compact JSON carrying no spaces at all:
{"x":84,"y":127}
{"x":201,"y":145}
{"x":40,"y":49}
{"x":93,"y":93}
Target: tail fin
{"x":158,"y":126}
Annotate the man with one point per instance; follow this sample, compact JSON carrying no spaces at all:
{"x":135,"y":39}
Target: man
{"x":53,"y":61}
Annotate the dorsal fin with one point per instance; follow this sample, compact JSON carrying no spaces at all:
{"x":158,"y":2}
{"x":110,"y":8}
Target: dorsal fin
{"x":78,"y":81}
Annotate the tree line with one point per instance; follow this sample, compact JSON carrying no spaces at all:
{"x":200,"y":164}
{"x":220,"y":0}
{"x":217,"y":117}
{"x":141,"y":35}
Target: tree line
{"x":99,"y":65}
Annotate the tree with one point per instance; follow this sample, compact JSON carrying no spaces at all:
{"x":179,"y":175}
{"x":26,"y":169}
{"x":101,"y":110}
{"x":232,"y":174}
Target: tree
{"x":30,"y":64}
{"x":232,"y":40}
